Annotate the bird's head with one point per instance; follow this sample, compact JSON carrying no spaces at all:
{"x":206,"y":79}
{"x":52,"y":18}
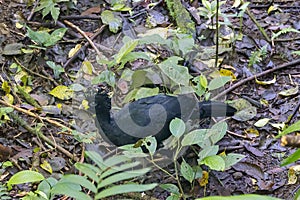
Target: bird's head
{"x":104,"y":89}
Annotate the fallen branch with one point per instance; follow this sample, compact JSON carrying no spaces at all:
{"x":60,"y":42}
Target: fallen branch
{"x":40,"y":135}
{"x":27,"y":112}
{"x":234,"y":86}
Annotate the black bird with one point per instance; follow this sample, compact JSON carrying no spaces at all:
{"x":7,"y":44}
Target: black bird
{"x":151,"y":116}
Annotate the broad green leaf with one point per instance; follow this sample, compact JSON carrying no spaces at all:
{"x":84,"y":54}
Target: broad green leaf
{"x":177,"y":127}
{"x":57,"y":69}
{"x":217,"y":132}
{"x":114,"y":22}
{"x":153,"y":144}
{"x":291,"y":159}
{"x":91,"y":171}
{"x":215,"y":162}
{"x":121,"y":176}
{"x":115,"y":160}
{"x":25,"y":176}
{"x":55,"y":36}
{"x":39,"y":37}
{"x":208,"y":151}
{"x":187,"y":171}
{"x":70,"y":189}
{"x":96,"y":158}
{"x":232,"y":159}
{"x":185,"y":44}
{"x":262,"y":122}
{"x":218,"y":82}
{"x":62,"y":92}
{"x":106,"y":76}
{"x":194,"y":137}
{"x":292,"y":128}
{"x":125,"y":50}
{"x":132,"y":56}
{"x":240,"y":197}
{"x":177,"y":73}
{"x":80,"y":180}
{"x":170,"y":188}
{"x":116,"y":169}
{"x":121,"y":189}
{"x":145,"y":92}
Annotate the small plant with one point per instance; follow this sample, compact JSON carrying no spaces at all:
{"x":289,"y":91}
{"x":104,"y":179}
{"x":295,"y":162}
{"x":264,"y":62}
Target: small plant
{"x":100,"y":180}
{"x":258,"y":56}
{"x":50,"y":7}
{"x":206,"y":139}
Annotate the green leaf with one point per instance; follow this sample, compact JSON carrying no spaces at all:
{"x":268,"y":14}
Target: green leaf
{"x":62,"y":92}
{"x":49,"y":6}
{"x":194,"y":137}
{"x":39,"y":37}
{"x":91,"y":171}
{"x":76,"y":179}
{"x":232,"y":159}
{"x":105,"y":76}
{"x":131,"y":56}
{"x":208,"y":151}
{"x":215,"y":162}
{"x":218,"y":82}
{"x":292,"y":128}
{"x":240,"y":197}
{"x":57,"y":69}
{"x":177,"y":127}
{"x":170,"y":188}
{"x":114,"y":22}
{"x":187,"y":171}
{"x":121,"y":189}
{"x":122,"y":176}
{"x":145,"y":92}
{"x":217,"y":132}
{"x":153,"y":144}
{"x":116,"y":169}
{"x":71,"y":190}
{"x":25,"y":176}
{"x":55,"y":36}
{"x":291,"y":159}
{"x":126,"y":49}
{"x":177,"y":73}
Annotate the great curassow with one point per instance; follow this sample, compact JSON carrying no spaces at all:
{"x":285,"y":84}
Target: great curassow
{"x":151,"y":115}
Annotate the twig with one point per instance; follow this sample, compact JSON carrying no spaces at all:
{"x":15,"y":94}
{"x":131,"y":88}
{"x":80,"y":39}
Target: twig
{"x":84,"y":46}
{"x":84,"y":35}
{"x":258,"y":25}
{"x":35,"y":115}
{"x":39,"y":134}
{"x":37,"y":74}
{"x":292,"y":63}
{"x":293,"y":113}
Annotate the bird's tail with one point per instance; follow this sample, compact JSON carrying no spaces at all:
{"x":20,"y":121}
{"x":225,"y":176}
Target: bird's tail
{"x":215,"y":109}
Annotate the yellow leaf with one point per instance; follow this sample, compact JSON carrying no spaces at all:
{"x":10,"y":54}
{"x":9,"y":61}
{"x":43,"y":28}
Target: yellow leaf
{"x":289,"y":92}
{"x":204,"y":180}
{"x":265,"y":82}
{"x":6,"y":87}
{"x":236,"y":3}
{"x":62,"y":92}
{"x":8,"y":98}
{"x":226,"y":72}
{"x":85,"y":104}
{"x":292,"y":174}
{"x":87,"y":67}
{"x":46,"y":166}
{"x":74,"y":50}
{"x":262,"y":122}
{"x":252,"y":131}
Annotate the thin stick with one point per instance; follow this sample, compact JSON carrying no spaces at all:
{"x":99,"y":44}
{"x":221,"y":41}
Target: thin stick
{"x":27,"y":112}
{"x":84,"y":35}
{"x":289,"y":64}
